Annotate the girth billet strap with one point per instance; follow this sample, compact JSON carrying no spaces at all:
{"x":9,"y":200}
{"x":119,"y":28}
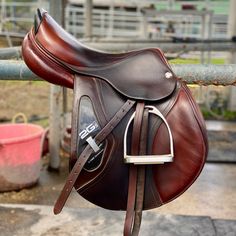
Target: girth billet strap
{"x":136,"y":173}
{"x":84,"y":156}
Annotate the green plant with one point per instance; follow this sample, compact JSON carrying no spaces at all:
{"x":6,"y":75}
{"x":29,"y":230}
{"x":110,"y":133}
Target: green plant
{"x":215,"y":114}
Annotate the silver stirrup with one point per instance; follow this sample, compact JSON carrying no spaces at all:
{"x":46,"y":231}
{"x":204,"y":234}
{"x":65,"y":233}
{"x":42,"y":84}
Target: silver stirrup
{"x":149,"y":159}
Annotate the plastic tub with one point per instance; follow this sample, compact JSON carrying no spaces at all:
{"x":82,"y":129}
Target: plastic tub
{"x":20,"y":153}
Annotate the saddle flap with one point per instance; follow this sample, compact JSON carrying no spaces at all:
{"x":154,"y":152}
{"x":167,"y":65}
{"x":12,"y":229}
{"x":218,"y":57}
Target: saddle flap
{"x":145,"y":75}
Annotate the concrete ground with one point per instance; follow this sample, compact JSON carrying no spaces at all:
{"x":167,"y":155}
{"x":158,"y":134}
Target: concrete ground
{"x":36,"y":220}
{"x":207,"y":208}
{"x":222,"y":141}
{"x":213,"y":194}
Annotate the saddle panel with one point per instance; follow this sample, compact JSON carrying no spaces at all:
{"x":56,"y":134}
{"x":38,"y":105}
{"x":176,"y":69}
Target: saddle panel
{"x":190,"y":148}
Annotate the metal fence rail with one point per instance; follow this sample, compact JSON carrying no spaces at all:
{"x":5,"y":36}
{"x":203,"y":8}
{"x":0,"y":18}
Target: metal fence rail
{"x":197,"y":74}
{"x":16,"y":16}
{"x":116,"y":22}
{"x":170,"y":47}
{"x":207,"y":74}
{"x":126,"y":45}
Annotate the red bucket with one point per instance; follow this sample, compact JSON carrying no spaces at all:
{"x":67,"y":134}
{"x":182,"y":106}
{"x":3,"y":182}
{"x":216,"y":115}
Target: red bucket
{"x":20,"y":153}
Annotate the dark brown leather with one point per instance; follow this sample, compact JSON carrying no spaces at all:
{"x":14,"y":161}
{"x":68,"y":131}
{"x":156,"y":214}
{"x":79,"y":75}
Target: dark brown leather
{"x":66,"y":48}
{"x":137,"y":173}
{"x":133,"y":171}
{"x":44,"y":65}
{"x":77,"y":168}
{"x":141,"y":175}
{"x":65,"y":51}
{"x":104,"y":83}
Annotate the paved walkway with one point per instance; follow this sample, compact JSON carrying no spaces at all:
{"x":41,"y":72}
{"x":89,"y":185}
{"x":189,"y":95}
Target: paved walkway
{"x":213,"y":194}
{"x":32,"y":220}
{"x":214,"y":125}
{"x":222,"y":141}
{"x":208,"y":207}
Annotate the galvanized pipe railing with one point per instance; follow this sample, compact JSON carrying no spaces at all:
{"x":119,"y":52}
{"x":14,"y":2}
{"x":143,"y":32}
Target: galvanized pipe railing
{"x":197,"y":74}
{"x":126,"y":45}
{"x":207,"y":74}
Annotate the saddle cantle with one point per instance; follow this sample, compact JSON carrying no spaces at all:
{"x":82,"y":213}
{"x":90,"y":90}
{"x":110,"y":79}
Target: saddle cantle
{"x":138,"y":137}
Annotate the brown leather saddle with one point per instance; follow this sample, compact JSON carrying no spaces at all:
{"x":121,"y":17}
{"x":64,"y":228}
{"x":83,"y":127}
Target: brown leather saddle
{"x":138,"y":137}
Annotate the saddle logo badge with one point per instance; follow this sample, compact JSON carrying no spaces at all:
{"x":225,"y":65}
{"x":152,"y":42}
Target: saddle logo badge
{"x":89,"y":129}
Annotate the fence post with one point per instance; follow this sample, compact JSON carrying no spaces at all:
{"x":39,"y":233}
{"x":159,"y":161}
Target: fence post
{"x":56,"y":11}
{"x":111,"y":20}
{"x":88,"y":18}
{"x":232,"y":32}
{"x":171,"y":4}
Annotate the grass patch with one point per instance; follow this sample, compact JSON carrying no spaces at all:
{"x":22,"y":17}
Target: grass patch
{"x":215,"y":61}
{"x":217,"y":115}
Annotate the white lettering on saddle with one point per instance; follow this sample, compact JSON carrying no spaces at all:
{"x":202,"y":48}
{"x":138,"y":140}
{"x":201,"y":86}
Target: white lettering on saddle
{"x":90,"y":128}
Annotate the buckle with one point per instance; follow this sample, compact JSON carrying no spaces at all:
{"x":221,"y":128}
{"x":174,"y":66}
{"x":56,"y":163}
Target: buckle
{"x":149,"y":159}
{"x":93,"y":144}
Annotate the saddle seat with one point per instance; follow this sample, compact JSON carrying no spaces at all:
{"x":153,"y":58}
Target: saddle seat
{"x":137,"y":74}
{"x":66,"y":48}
